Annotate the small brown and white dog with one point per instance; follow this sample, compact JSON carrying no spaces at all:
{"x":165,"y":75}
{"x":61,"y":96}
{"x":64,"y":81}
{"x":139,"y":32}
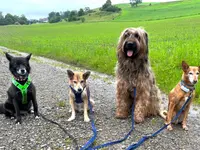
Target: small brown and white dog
{"x":78,"y":97}
{"x":179,"y":95}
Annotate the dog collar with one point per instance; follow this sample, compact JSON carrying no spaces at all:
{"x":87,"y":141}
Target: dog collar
{"x":22,"y":88}
{"x":78,"y":97}
{"x":186,"y":88}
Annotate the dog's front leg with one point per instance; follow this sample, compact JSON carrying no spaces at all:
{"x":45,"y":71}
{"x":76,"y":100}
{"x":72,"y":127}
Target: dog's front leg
{"x":185,"y":115}
{"x":86,"y":118}
{"x":17,"y":110}
{"x":170,"y":113}
{"x":123,"y":102}
{"x":35,"y":105}
{"x":71,"y":101}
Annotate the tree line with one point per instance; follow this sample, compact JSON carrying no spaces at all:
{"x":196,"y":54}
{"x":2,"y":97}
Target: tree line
{"x":77,"y":15}
{"x":9,"y":19}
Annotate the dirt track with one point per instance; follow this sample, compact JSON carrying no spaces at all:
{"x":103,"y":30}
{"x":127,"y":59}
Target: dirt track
{"x":50,"y":80}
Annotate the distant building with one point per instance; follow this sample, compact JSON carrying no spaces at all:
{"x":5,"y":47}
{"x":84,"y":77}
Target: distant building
{"x":43,"y":20}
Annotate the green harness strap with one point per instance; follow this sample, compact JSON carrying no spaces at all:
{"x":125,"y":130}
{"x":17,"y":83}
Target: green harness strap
{"x":22,"y":88}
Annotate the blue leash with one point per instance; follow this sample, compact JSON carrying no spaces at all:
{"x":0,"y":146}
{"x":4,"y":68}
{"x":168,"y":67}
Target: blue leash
{"x":125,"y":137}
{"x":89,"y":143}
{"x":144,"y":138}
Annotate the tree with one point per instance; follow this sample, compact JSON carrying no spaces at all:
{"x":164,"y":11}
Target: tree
{"x":54,"y":17}
{"x":109,"y":7}
{"x":73,"y":16}
{"x":81,"y":12}
{"x":135,"y":2}
{"x":9,"y":19}
{"x":2,"y":20}
{"x":23,"y":20}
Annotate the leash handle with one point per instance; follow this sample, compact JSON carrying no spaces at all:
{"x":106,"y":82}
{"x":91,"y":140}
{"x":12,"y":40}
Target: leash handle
{"x":144,"y":138}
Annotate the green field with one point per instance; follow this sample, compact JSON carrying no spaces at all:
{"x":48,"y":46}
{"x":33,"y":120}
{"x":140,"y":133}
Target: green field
{"x":93,"y":44}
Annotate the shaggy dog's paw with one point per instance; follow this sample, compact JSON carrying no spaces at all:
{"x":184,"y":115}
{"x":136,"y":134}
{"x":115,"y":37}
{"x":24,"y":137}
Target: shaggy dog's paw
{"x":121,"y":116}
{"x":139,"y":119}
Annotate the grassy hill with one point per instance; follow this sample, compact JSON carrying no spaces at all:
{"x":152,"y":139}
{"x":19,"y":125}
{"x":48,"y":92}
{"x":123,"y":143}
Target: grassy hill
{"x":93,"y":45}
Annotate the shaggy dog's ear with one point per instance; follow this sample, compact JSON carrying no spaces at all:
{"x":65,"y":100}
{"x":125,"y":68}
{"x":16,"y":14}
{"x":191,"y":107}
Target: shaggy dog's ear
{"x":86,"y":75}
{"x":28,"y":57}
{"x":185,"y":66}
{"x":70,"y":74}
{"x":8,"y":56}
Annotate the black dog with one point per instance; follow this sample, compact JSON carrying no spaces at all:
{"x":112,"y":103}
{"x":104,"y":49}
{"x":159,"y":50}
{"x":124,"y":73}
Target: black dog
{"x":22,"y":93}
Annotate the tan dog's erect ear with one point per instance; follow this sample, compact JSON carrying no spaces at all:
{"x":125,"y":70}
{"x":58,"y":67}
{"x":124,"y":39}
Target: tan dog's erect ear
{"x":185,"y":66}
{"x":86,"y":75}
{"x":70,"y":74}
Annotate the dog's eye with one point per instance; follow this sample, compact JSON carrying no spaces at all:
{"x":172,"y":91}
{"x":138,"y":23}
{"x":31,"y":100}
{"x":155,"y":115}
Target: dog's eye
{"x":74,"y":82}
{"x":197,"y":73}
{"x":82,"y":81}
{"x":136,"y":35}
{"x":190,"y":73}
{"x":127,"y":35}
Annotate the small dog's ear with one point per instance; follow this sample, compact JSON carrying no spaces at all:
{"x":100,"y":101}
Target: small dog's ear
{"x":86,"y":75}
{"x":70,"y":74}
{"x":8,"y":56}
{"x":29,"y":56}
{"x":185,"y":66}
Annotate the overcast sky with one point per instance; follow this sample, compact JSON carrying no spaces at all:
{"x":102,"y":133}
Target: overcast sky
{"x":35,"y":9}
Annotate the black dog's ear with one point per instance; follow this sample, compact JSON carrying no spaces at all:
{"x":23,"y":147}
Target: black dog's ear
{"x":28,"y":57}
{"x":86,"y":75}
{"x":185,"y":66}
{"x":70,"y":74}
{"x":8,"y":56}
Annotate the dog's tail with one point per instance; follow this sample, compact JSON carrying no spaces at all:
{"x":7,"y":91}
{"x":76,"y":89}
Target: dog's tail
{"x":163,"y":114}
{"x":2,"y":110}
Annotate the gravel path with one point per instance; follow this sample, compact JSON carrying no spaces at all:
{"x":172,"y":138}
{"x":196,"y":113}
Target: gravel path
{"x":50,"y":79}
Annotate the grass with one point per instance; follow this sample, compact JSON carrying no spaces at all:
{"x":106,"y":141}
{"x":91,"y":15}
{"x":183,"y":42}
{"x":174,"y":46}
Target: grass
{"x":158,"y":11}
{"x":93,"y":45}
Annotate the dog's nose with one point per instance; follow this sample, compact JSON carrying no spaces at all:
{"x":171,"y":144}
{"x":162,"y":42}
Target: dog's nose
{"x":131,"y":45}
{"x":23,"y":71}
{"x":79,"y":90}
{"x":195,"y":81}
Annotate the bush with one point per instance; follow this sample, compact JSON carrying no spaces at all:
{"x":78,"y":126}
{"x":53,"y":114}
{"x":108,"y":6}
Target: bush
{"x":82,"y":19}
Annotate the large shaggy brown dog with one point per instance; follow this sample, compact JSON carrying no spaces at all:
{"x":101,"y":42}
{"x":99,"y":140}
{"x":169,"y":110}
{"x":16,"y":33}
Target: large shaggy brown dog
{"x":133,"y":70}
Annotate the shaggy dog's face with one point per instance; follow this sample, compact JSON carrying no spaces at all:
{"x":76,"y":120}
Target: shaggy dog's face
{"x":133,"y":42}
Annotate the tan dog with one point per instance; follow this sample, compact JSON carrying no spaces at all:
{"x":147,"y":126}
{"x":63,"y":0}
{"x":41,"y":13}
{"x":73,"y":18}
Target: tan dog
{"x":180,"y":93}
{"x":78,"y":93}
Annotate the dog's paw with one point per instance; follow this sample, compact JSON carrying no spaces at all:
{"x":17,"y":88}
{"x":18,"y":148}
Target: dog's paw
{"x":17,"y":122}
{"x":169,"y":127}
{"x":37,"y":117}
{"x":87,"y":119}
{"x":185,"y":127}
{"x":71,"y":118}
{"x":139,"y":119}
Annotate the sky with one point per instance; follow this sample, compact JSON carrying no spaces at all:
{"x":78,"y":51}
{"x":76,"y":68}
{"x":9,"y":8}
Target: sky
{"x":35,"y":9}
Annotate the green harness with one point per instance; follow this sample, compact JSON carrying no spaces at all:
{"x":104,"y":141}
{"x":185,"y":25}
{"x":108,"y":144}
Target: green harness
{"x":22,"y":88}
